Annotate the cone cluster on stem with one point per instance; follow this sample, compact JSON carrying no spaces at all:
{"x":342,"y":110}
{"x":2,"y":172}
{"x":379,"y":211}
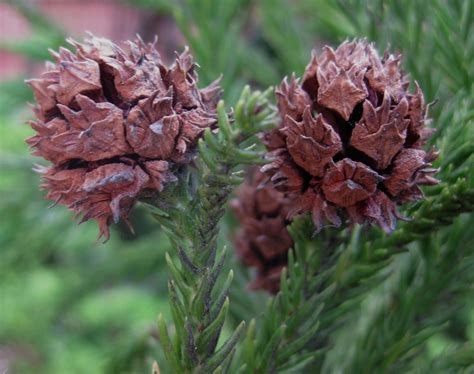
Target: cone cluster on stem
{"x":349,"y":145}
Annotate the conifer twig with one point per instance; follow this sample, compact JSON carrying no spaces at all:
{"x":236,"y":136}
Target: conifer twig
{"x":190,"y":215}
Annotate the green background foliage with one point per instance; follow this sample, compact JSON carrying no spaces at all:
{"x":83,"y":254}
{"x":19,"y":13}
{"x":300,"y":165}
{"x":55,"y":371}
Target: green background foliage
{"x":354,"y":301}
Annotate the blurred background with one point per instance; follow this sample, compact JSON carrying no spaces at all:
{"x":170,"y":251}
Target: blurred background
{"x":70,"y":304}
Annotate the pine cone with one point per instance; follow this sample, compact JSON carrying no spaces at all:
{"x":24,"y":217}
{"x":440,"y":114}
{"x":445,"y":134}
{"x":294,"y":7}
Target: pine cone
{"x":350,"y":138}
{"x":115,"y":124}
{"x":263,"y":240}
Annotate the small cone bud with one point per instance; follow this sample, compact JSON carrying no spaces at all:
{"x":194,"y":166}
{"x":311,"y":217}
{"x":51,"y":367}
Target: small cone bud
{"x":263,"y":240}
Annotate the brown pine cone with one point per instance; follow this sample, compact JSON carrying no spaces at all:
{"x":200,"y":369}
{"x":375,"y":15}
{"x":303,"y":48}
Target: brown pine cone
{"x":350,"y":138}
{"x":263,"y":240}
{"x":114,"y":124}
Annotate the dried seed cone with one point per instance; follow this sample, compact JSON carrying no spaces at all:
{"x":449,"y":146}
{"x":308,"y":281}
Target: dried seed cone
{"x":350,"y":139}
{"x":263,"y":240}
{"x":115,"y":124}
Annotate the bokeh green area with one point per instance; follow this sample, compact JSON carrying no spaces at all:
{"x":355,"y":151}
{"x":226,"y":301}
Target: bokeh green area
{"x":71,"y":304}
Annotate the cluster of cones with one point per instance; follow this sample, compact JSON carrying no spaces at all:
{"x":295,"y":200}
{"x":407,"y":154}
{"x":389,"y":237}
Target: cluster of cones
{"x":118,"y":124}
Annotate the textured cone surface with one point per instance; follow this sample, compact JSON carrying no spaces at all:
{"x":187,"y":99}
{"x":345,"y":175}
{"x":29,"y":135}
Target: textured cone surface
{"x":350,"y":138}
{"x":115,"y":124}
{"x":263,"y":240}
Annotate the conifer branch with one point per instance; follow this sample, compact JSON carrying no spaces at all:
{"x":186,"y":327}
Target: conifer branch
{"x":278,"y":340}
{"x":408,"y":306}
{"x":190,"y":215}
{"x":434,"y":213}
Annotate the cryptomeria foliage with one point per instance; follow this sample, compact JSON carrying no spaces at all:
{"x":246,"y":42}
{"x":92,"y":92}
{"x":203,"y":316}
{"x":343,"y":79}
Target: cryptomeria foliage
{"x":350,"y":301}
{"x":190,"y":215}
